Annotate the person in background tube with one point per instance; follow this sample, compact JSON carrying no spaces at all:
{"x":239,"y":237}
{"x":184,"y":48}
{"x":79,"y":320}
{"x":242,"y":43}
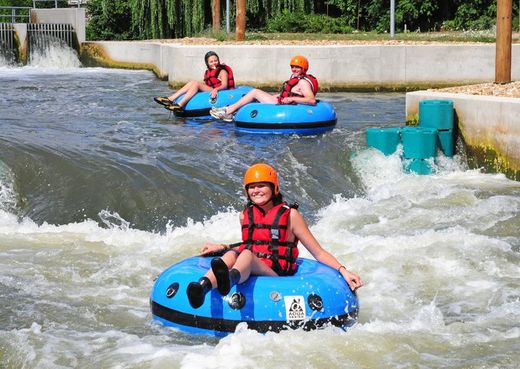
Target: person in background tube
{"x":218,"y":76}
{"x":301,"y":88}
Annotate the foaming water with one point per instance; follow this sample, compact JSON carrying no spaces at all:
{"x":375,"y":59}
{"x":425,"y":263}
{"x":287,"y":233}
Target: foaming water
{"x":53,"y":58}
{"x":7,"y":191}
{"x":5,"y":61}
{"x":100,"y":193}
{"x":55,"y":55}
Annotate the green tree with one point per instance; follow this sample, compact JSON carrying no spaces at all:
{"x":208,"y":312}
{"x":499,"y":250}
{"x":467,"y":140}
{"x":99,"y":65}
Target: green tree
{"x":423,"y":15}
{"x":109,"y":20}
{"x":145,"y":19}
{"x":169,"y":18}
{"x":476,"y":14}
{"x":50,"y":4}
{"x":15,"y":2}
{"x":259,"y":11}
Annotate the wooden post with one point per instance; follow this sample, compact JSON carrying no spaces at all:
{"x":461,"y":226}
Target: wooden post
{"x":241,"y":20}
{"x":216,"y":16}
{"x":503,"y":41}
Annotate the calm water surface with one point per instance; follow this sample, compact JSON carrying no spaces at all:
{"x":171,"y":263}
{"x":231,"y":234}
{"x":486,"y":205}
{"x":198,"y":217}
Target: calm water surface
{"x":100,"y":190}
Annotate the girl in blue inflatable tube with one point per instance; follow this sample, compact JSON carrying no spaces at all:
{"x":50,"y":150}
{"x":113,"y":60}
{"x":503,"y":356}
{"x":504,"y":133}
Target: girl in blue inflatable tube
{"x":216,"y":77}
{"x":301,"y":88}
{"x":271,"y":230}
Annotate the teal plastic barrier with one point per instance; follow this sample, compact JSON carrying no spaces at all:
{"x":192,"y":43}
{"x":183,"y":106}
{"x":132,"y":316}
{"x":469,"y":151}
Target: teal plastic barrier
{"x":384,"y":139}
{"x":419,"y":142}
{"x":418,"y":166}
{"x":436,"y":114}
{"x":446,"y":143}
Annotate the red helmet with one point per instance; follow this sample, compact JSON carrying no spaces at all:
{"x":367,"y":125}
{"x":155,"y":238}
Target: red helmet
{"x":300,"y":61}
{"x":261,"y":173}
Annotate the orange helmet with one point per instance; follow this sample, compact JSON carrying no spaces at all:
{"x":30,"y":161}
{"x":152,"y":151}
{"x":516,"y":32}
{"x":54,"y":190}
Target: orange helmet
{"x":300,"y":61}
{"x":261,"y":173}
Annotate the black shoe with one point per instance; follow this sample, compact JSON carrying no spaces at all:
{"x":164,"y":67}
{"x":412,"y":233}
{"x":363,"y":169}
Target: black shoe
{"x":173,"y":107}
{"x":162,"y":100}
{"x":234,"y":276}
{"x":196,"y":292}
{"x":221,"y":272}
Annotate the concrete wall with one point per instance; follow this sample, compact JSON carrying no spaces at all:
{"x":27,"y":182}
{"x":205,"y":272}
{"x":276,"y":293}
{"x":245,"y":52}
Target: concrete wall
{"x":490,"y":127}
{"x":74,"y":16}
{"x":21,"y":31}
{"x":127,"y":54}
{"x":337,"y":66}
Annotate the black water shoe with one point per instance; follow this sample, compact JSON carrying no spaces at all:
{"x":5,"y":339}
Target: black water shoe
{"x":173,"y":107}
{"x":221,"y":271}
{"x":196,"y":292}
{"x":162,"y":100}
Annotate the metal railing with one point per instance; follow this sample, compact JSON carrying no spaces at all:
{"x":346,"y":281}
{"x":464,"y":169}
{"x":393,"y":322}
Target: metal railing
{"x":7,"y":43}
{"x":22,"y":14}
{"x":40,"y":34}
{"x":78,"y":3}
{"x":15,"y":14}
{"x":45,"y":1}
{"x":6,"y":36}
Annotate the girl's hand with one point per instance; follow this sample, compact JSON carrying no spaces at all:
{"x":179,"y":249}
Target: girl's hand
{"x":210,"y":248}
{"x":213,"y":93}
{"x":353,"y":280}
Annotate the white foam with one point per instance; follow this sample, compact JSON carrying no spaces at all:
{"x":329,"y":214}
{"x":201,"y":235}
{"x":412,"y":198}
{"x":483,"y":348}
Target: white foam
{"x":7,"y":191}
{"x":54,"y":56}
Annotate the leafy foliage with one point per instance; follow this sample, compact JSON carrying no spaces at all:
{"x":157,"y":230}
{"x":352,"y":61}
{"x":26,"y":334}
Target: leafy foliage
{"x":146,"y":19}
{"x":39,"y":4}
{"x":260,"y":11}
{"x":420,"y":15}
{"x":475,"y":14}
{"x":108,"y":20}
{"x":312,"y":23}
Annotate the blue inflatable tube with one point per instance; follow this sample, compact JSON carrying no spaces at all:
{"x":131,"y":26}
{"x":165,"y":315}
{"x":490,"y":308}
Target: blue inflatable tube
{"x":272,"y":118}
{"x":200,"y":104}
{"x":315,"y":296}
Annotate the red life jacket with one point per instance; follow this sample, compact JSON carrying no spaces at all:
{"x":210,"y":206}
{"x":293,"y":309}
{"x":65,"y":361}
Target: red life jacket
{"x":288,"y":85}
{"x":265,"y":234}
{"x":211,"y":76}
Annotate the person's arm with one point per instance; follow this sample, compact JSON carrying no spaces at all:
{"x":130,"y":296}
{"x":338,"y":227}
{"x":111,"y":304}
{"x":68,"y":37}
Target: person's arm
{"x":300,"y":229}
{"x":223,"y":77}
{"x":212,"y":248}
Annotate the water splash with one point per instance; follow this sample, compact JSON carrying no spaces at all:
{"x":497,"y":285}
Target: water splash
{"x":55,"y":55}
{"x":7,"y":59}
{"x":7,"y":191}
{"x":113,"y":220}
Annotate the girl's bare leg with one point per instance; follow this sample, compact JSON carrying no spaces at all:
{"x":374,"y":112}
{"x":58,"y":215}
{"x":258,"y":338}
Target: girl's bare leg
{"x":190,"y":89}
{"x":247,"y":263}
{"x":193,"y":88}
{"x":253,"y":95}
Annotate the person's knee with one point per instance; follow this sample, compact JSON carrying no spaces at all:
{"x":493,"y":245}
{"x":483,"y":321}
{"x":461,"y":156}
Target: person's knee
{"x":246,"y":257}
{"x":229,"y":258}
